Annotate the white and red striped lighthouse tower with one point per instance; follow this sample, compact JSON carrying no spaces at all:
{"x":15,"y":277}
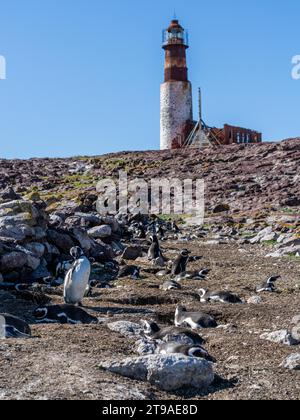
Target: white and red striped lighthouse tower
{"x":176,"y":105}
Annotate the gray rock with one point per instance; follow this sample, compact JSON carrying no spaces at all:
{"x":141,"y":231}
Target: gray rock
{"x":8,"y":195}
{"x":296,"y":333}
{"x":280,"y":337}
{"x":289,"y":250}
{"x":13,"y":261}
{"x":36,"y":249}
{"x":125,"y":328}
{"x":168,"y":372}
{"x":296,"y":320}
{"x":83,"y":238}
{"x":61,"y":240}
{"x":100,"y":232}
{"x":264,"y":235}
{"x":1,"y":278}
{"x":291,"y":242}
{"x":144,"y":346}
{"x":254,"y":300}
{"x":41,"y":271}
{"x":132,"y":253}
{"x":292,"y":362}
{"x":33,"y":262}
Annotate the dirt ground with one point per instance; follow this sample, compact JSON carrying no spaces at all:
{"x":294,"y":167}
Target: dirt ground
{"x":61,"y":362}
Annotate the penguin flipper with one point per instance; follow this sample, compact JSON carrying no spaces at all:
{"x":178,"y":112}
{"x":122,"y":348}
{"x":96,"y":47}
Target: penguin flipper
{"x":12,"y":332}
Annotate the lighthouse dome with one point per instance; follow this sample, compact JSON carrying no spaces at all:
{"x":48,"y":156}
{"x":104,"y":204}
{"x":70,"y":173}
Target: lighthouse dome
{"x":175,"y":34}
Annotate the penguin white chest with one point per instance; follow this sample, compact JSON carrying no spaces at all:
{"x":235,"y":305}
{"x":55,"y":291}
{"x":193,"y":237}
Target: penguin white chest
{"x":77,"y":280}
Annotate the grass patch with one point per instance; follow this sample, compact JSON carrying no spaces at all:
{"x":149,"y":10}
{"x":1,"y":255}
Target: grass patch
{"x":270,"y":243}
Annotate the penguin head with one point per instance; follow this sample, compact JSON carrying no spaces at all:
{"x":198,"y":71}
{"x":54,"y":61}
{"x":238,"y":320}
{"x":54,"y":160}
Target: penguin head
{"x":201,"y":353}
{"x":185,"y":253}
{"x":76,"y":252}
{"x":150,"y":327}
{"x":154,"y":239}
{"x":180,"y":308}
{"x":202,"y":293}
{"x":136,"y":273}
{"x":273,"y":279}
{"x":40,"y":313}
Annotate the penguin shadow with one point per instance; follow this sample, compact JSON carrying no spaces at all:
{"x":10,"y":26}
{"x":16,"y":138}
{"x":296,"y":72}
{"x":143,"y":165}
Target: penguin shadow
{"x":219,"y":384}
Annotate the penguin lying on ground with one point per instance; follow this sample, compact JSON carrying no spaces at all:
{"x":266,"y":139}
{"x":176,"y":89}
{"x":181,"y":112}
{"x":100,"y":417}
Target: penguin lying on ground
{"x":153,"y":332}
{"x":193,"y":275}
{"x":268,"y":285}
{"x":63,"y":314}
{"x":191,"y":351}
{"x":170,"y":285}
{"x":13,"y":327}
{"x":77,"y":278}
{"x":132,"y":271}
{"x":18,"y":287}
{"x":223,"y":297}
{"x":196,"y":320}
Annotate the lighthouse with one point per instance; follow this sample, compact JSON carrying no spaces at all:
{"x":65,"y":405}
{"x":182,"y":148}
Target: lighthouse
{"x":176,"y":104}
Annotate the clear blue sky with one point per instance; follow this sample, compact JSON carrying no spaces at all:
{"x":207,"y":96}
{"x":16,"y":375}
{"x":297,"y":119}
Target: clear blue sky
{"x":83,"y":76}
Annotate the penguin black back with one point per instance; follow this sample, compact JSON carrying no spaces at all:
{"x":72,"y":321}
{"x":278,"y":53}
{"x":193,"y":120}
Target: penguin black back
{"x":180,"y":264}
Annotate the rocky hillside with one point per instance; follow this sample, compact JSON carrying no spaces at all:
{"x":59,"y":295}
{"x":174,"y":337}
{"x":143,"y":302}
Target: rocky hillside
{"x":251,"y":232}
{"x":242,"y":179}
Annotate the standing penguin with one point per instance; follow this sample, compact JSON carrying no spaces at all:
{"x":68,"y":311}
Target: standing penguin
{"x":154,"y":250}
{"x":180,"y":263}
{"x":77,"y":278}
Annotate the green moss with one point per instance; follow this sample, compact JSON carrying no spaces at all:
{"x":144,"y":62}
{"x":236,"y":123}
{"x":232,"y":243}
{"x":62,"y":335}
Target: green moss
{"x":269,"y":243}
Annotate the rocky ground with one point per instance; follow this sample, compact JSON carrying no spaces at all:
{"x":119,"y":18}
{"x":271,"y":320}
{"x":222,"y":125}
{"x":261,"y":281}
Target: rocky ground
{"x":62,"y":361}
{"x":247,"y":179}
{"x":251,"y":231}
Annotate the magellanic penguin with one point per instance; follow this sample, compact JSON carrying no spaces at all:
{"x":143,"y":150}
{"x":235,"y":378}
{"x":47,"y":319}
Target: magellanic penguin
{"x":191,"y":351}
{"x":153,"y":332}
{"x":222,"y":296}
{"x":268,"y":285}
{"x":170,"y":285}
{"x":193,"y":275}
{"x":180,"y":264}
{"x":132,"y":271}
{"x":196,"y":320}
{"x":63,"y":314}
{"x":13,"y":327}
{"x":77,"y":278}
{"x":154,"y":250}
{"x":174,"y":227}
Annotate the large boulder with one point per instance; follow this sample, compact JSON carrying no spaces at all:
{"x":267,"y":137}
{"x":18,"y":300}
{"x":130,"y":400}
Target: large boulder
{"x":85,"y":242}
{"x":280,"y":337}
{"x":126,"y":328}
{"x":61,"y":240}
{"x":35,"y":248}
{"x":265,"y":235}
{"x":132,"y":253}
{"x":100,"y":232}
{"x":20,"y":220}
{"x":8,"y":194}
{"x":292,"y":362}
{"x":296,"y":332}
{"x":168,"y":372}
{"x":13,"y":261}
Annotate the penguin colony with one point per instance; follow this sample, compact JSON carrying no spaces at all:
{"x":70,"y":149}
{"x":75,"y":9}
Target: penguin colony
{"x":75,"y":276}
